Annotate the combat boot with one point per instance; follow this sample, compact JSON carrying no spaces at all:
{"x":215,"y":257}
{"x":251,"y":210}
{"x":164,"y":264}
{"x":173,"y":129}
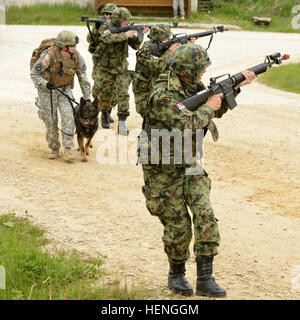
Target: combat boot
{"x":110,"y":119}
{"x":122,"y":128}
{"x":206,"y":284}
{"x":68,"y":156}
{"x":104,"y":120}
{"x":177,"y":281}
{"x":54,"y":154}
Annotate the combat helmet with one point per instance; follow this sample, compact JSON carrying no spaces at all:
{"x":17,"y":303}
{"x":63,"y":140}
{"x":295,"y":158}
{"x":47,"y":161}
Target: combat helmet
{"x":159,"y":32}
{"x":189,"y":61}
{"x":120,"y":14}
{"x":108,"y":8}
{"x":66,"y":38}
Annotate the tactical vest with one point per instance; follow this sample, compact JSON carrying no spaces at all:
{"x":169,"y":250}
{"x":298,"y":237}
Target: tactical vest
{"x":61,"y":71}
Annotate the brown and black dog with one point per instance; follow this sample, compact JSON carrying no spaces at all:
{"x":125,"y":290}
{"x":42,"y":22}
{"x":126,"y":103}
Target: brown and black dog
{"x":86,"y":122}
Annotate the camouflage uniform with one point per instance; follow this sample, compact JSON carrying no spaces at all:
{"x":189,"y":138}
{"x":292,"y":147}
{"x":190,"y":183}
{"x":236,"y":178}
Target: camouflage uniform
{"x":168,"y":190}
{"x":93,"y":42}
{"x":149,"y":67}
{"x":112,"y":52}
{"x":46,"y":70}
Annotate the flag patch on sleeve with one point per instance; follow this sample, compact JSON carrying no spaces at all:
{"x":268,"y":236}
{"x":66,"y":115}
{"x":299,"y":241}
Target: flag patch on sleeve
{"x":180,"y":105}
{"x":44,"y":63}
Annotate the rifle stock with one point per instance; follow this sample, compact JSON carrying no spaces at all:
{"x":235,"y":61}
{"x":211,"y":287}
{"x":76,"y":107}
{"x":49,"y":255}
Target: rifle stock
{"x":192,"y":103}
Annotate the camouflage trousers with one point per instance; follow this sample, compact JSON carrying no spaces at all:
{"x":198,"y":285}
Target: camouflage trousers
{"x":141,"y":99}
{"x":96,"y":86}
{"x":62,"y":104}
{"x":169,"y":193}
{"x":112,"y":89}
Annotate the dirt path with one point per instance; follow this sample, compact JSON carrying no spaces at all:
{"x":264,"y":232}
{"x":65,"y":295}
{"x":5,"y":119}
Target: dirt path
{"x":99,"y":209}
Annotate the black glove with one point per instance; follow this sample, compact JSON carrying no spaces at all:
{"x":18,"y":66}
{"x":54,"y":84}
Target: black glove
{"x":50,"y":85}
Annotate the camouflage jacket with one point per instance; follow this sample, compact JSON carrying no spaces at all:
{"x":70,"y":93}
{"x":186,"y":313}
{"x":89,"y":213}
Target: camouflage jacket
{"x":93,"y":39}
{"x":148,"y":68}
{"x":166,"y":115}
{"x":112,"y":50}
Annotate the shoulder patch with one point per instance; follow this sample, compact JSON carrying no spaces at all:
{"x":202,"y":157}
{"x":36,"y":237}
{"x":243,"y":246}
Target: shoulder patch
{"x":44,"y":62}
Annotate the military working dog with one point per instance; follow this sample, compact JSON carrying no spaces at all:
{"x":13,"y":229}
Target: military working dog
{"x":86,"y":122}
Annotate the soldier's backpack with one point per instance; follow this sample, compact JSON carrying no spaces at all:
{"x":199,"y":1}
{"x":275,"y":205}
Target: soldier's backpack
{"x":45,"y":44}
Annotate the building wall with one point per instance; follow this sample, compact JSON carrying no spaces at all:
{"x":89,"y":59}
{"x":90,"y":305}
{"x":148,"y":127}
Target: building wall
{"x":81,"y":3}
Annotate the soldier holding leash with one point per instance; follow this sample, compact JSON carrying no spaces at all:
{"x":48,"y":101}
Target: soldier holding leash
{"x":56,"y":67}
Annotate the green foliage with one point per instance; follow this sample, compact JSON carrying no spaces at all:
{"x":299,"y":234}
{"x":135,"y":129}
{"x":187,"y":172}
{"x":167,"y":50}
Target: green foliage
{"x":284,"y":77}
{"x":240,"y":12}
{"x":33,"y":273}
{"x":47,"y":14}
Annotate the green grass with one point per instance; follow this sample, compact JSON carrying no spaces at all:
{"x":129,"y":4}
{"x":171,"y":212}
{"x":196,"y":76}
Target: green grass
{"x":238,"y":12}
{"x":284,"y":77}
{"x":44,"y":14}
{"x":33,"y":273}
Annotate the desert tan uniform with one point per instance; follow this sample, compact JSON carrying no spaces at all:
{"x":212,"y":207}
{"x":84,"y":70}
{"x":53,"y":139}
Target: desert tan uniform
{"x":52,"y":67}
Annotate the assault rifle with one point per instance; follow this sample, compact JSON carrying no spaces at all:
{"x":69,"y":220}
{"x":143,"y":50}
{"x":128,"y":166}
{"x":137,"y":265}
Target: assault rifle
{"x":139,"y":28}
{"x":227,"y":86}
{"x":98,"y":23}
{"x":132,"y":26}
{"x":159,"y":46}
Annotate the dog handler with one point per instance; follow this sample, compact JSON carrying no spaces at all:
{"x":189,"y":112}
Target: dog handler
{"x":56,"y":68}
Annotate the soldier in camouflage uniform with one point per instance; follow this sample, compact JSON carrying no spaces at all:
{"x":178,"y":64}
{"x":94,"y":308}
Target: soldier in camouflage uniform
{"x":93,"y":41}
{"x":169,"y":187}
{"x":56,"y":67}
{"x":113,"y":66}
{"x":149,"y":67}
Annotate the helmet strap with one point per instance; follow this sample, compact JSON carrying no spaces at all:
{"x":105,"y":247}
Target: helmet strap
{"x":68,"y":50}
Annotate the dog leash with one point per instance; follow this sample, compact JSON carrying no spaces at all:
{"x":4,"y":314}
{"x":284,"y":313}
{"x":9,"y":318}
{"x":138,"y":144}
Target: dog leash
{"x":69,"y":98}
{"x":71,"y":104}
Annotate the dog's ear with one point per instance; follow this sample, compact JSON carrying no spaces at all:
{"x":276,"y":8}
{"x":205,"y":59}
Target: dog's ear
{"x":95,"y":102}
{"x":82,"y":101}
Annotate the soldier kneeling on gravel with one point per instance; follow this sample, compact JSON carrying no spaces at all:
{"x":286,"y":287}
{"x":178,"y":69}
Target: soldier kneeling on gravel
{"x":54,"y":65}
